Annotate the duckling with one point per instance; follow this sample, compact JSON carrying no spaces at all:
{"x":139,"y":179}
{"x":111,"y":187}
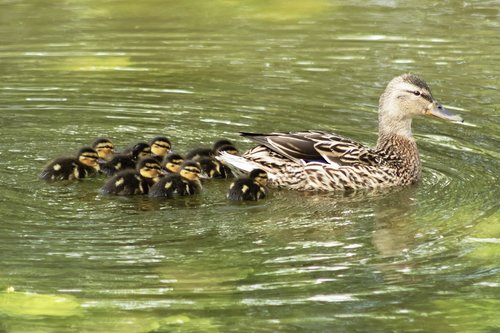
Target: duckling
{"x":172,"y":163}
{"x":251,"y":188}
{"x":211,"y":168}
{"x":104,"y":148}
{"x":198,"y":153}
{"x":130,"y":182}
{"x":68,"y":168}
{"x":229,"y":149}
{"x":186,"y":182}
{"x":160,"y":147}
{"x":126,"y":160}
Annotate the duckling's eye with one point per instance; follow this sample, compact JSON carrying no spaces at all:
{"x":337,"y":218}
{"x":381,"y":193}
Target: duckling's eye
{"x":105,"y":147}
{"x":162,"y":146}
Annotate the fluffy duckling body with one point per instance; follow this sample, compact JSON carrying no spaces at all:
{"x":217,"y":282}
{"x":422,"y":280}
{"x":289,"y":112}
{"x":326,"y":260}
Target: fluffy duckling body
{"x":211,"y":168}
{"x":131,"y":182}
{"x":68,"y":168}
{"x":186,"y":182}
{"x":251,"y":188}
{"x":128,"y":160}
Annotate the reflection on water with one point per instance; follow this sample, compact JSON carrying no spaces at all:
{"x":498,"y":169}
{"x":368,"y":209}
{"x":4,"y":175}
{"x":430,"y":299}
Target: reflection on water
{"x":419,"y":259}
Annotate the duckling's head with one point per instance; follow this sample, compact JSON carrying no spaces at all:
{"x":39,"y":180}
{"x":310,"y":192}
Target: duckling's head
{"x":172,"y":162}
{"x":230,"y":149}
{"x":405,"y":97}
{"x":149,"y":168}
{"x":220,"y":143}
{"x":141,"y":150}
{"x":259,"y":176}
{"x":190,"y":170}
{"x":160,"y":146}
{"x":89,"y":157}
{"x":104,"y":148}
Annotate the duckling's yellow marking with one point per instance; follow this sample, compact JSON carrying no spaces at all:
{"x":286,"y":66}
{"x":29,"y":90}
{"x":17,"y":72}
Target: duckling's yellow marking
{"x":168,"y":185}
{"x":144,"y":154}
{"x":173,"y":166}
{"x":244,"y":189}
{"x":160,"y":148}
{"x":76,"y":174}
{"x":190,"y":173}
{"x":150,"y":170}
{"x":119,"y":182}
{"x":57,"y":167}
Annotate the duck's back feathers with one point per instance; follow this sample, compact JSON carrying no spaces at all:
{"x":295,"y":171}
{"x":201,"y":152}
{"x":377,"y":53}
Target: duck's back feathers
{"x":316,"y":146}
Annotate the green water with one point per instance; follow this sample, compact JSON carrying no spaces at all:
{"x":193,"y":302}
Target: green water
{"x":419,"y":259}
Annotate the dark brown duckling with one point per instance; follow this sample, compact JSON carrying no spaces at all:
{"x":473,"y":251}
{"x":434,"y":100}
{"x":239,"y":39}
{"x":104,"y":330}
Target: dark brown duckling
{"x":85,"y":164}
{"x":251,"y":188}
{"x":126,"y":160}
{"x":198,"y":153}
{"x":186,"y":182}
{"x":230,"y":149}
{"x":130,"y":182}
{"x":211,"y":168}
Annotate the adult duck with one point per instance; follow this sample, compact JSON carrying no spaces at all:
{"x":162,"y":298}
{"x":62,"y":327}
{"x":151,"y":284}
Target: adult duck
{"x":320,"y":161}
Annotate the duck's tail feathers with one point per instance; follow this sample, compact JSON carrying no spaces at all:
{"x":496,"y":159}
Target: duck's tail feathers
{"x":239,"y":165}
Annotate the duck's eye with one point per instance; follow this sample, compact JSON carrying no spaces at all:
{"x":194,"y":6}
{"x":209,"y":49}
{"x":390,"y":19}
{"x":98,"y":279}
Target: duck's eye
{"x":416,"y":93}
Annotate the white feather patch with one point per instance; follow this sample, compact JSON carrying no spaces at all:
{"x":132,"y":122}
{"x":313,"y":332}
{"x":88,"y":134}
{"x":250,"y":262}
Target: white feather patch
{"x":240,"y":165}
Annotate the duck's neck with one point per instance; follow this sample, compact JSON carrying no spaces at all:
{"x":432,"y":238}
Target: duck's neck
{"x":396,"y":141}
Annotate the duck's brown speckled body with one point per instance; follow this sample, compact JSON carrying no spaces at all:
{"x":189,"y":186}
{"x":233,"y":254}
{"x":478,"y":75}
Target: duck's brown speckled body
{"x":321,"y":161}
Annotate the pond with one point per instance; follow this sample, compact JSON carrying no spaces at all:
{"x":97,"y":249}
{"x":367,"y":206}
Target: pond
{"x":424,"y":258}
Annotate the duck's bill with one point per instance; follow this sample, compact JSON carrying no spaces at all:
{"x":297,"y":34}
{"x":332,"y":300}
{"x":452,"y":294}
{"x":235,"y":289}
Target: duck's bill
{"x":438,"y":111}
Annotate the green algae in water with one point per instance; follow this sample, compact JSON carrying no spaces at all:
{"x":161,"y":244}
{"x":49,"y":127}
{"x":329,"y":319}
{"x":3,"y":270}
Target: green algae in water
{"x":183,"y":323}
{"x":28,"y":304}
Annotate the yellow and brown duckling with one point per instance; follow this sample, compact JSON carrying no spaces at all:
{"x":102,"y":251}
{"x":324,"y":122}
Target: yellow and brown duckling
{"x":68,"y":168}
{"x":160,"y":147}
{"x":172,"y":163}
{"x":104,"y":148}
{"x":127,"y":160}
{"x":186,"y":182}
{"x":130,"y":182}
{"x":251,"y":188}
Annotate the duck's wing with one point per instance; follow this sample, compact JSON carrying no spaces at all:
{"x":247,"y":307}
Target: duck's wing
{"x":316,"y":146}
